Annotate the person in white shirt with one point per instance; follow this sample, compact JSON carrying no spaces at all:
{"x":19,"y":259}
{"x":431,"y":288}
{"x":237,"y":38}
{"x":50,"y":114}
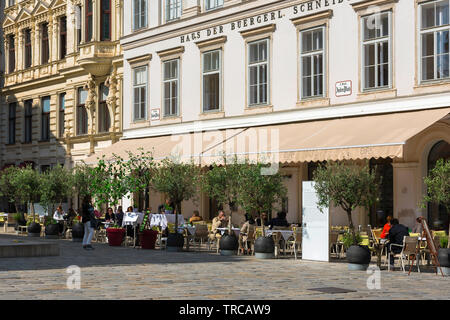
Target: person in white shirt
{"x":59,"y":216}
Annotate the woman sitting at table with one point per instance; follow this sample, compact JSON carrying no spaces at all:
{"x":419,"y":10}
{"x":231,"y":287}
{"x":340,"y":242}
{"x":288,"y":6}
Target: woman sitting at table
{"x":195,"y":217}
{"x":386,"y":228}
{"x":247,"y":228}
{"x":110,"y":215}
{"x":119,"y":216}
{"x":264,"y":217}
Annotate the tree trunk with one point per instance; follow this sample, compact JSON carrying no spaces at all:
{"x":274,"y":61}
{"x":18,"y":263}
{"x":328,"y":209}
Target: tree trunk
{"x":178,"y":211}
{"x":32,"y":211}
{"x":351,"y":227}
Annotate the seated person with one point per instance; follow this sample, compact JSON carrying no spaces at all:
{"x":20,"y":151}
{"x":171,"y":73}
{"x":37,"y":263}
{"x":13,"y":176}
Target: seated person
{"x":247,"y":228}
{"x":220,"y":221}
{"x":119,"y":216}
{"x":265,"y":218}
{"x":418,"y":226}
{"x":110,"y":215}
{"x":195,"y":217}
{"x":396,"y":234}
{"x":386,"y":228}
{"x":279,"y":221}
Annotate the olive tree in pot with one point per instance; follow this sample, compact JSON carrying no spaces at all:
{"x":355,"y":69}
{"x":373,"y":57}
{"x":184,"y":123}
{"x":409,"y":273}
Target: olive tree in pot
{"x":8,"y":189}
{"x":51,"y":228}
{"x":221,"y":183}
{"x":348,"y":186}
{"x":28,"y":183}
{"x":179,"y":182}
{"x":438,"y":191}
{"x":77,"y":230}
{"x":261,"y":186}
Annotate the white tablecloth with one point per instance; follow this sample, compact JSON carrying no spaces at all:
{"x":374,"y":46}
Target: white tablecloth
{"x":190,"y":229}
{"x":132,"y":218}
{"x":237,"y":231}
{"x":286,"y":234}
{"x":161,"y":220}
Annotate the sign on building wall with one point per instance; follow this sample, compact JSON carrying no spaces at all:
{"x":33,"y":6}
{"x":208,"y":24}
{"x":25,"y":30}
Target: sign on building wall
{"x":155,"y":114}
{"x":343,"y":88}
{"x":315,"y":226}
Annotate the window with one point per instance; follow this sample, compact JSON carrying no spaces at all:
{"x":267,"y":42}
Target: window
{"x":213,"y":4}
{"x":211,"y":80}
{"x":12,"y":54}
{"x":376,"y":51}
{"x":45,"y":122}
{"x":173,"y":9}
{"x":105,"y":32}
{"x":434,"y":34}
{"x":89,"y":20}
{"x":11,"y":2}
{"x":140,"y":93}
{"x":44,"y":43}
{"x":62,"y":37}
{"x":62,"y":108}
{"x":27,"y":56}
{"x":104,"y":120}
{"x":28,"y":104}
{"x":139,"y":14}
{"x":312,"y":59}
{"x":170,"y":87}
{"x":78,"y":25}
{"x":258,"y":69}
{"x":12,"y":123}
{"x":82,"y":116}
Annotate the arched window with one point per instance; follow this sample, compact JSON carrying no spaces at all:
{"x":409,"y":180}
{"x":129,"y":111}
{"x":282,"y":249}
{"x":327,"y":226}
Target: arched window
{"x":437,"y":215}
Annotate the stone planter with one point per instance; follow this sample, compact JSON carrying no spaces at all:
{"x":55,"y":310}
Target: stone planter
{"x":52,"y":231}
{"x":175,"y":242}
{"x":444,"y":260}
{"x":115,"y":236}
{"x":228,"y":245}
{"x":358,"y":258}
{"x":147,"y":238}
{"x":34,"y":229}
{"x":264,"y":248}
{"x":77,"y":232}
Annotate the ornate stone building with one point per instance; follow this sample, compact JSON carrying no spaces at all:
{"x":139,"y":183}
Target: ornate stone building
{"x":63,"y":82}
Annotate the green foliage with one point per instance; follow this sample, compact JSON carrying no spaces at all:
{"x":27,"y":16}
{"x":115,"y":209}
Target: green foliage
{"x":346,"y":186}
{"x":257,"y":192}
{"x":49,"y":220}
{"x":348,"y":239}
{"x":28,"y":183}
{"x":8,"y":188}
{"x":178,"y":181}
{"x":140,"y":169}
{"x":82,"y":177}
{"x":57,"y":185}
{"x":444,"y":242}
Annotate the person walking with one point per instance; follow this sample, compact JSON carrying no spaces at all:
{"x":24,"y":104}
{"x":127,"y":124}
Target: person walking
{"x":87,"y":215}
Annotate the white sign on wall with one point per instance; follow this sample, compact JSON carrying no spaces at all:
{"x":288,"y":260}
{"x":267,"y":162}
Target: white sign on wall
{"x":155,"y":114}
{"x":315,"y":226}
{"x":343,"y":88}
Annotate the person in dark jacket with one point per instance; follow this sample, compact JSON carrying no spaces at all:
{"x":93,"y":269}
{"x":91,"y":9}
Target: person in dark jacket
{"x":396,"y":234}
{"x":87,"y":214}
{"x":279,"y":221}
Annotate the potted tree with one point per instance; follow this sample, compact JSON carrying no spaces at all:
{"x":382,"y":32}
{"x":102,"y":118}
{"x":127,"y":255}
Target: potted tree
{"x":258,"y":193}
{"x":178,"y":181}
{"x":115,"y":235}
{"x":147,"y":236}
{"x":348,"y":186}
{"x":438,"y":191}
{"x":77,"y":229}
{"x":28,"y":184}
{"x":51,"y":228}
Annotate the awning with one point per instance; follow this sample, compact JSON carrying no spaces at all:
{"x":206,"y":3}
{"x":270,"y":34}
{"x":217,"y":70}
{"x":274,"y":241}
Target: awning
{"x":362,"y":137}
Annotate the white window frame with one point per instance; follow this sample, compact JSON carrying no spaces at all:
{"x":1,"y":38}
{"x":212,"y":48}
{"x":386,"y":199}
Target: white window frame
{"x":375,"y":41}
{"x":164,"y":81}
{"x":139,"y":86}
{"x":433,"y":30}
{"x":312,"y":54}
{"x":258,"y":64}
{"x":134,"y":22}
{"x":217,"y":4}
{"x":172,"y":6}
{"x":219,"y":71}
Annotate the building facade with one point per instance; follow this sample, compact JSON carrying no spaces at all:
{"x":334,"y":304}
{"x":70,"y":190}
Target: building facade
{"x":63,"y":83}
{"x":324,"y":79}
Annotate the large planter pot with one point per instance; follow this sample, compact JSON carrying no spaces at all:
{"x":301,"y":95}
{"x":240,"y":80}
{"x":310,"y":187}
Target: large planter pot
{"x":175,"y":242}
{"x":358,"y":257}
{"x":77,"y":232}
{"x":228,"y":245}
{"x":52,"y":231}
{"x":444,"y":260}
{"x":264,"y":248}
{"x":115,"y":236}
{"x":34,"y":229}
{"x":147,"y":239}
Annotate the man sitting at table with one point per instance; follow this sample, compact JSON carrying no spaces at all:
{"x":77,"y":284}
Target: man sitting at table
{"x":220,"y":221}
{"x":195,"y":217}
{"x":279,"y":221}
{"x":396,"y":234}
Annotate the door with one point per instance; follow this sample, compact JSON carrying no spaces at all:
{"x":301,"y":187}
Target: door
{"x":316,"y":225}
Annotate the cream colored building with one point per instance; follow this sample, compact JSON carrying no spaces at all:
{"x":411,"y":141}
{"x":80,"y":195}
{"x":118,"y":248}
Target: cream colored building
{"x":63,"y":83}
{"x":323,"y":79}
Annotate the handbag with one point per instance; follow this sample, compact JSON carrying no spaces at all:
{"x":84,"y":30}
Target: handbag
{"x":94,"y":221}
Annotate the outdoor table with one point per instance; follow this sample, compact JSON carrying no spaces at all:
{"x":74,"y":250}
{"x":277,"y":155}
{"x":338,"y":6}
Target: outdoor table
{"x":161,"y":220}
{"x":190,"y":232}
{"x":132,"y":219}
{"x":286,"y":234}
{"x":237,"y":231}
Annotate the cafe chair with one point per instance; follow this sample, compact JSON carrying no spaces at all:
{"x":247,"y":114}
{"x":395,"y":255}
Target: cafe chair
{"x":409,"y":249}
{"x":276,"y":236}
{"x":295,"y":242}
{"x":334,"y":243}
{"x":201,"y":233}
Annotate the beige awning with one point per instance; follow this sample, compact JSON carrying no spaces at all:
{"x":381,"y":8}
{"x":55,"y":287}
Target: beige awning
{"x":363,"y":137}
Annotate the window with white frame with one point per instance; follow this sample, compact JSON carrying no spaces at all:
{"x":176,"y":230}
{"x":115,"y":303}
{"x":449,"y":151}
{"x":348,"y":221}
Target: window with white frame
{"x":140,"y":93}
{"x":258,"y":72}
{"x":434,"y":40}
{"x":376,"y":52}
{"x":172,"y":9}
{"x":171,"y":87}
{"x":82,"y":115}
{"x":213,"y":4}
{"x":312,"y":62}
{"x":211,"y":80}
{"x":139,"y":14}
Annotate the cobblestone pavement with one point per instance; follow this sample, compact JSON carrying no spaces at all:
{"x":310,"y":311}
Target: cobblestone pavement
{"x":127,"y":273}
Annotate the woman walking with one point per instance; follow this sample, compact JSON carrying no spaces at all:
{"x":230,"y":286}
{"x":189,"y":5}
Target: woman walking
{"x":87,"y":216}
